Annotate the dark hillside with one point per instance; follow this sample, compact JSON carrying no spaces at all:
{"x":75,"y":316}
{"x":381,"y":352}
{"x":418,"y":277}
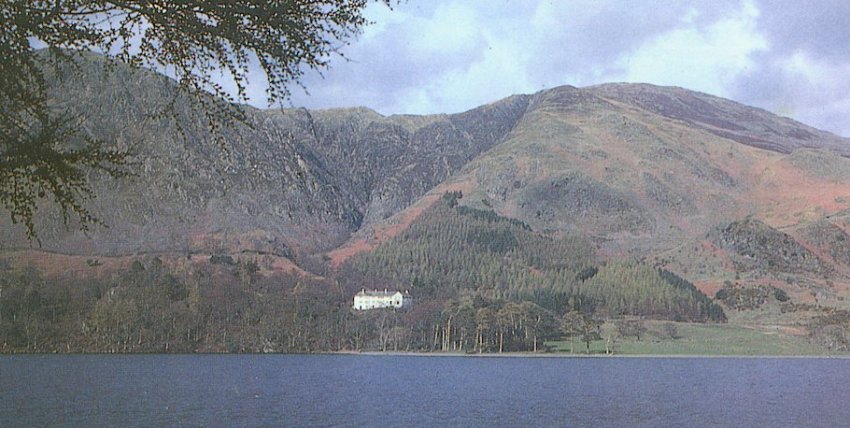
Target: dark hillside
{"x":760,"y":247}
{"x":287,"y":182}
{"x":452,"y":250}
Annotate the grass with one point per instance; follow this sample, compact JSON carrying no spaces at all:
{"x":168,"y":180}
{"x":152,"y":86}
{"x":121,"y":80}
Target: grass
{"x":700,"y":339}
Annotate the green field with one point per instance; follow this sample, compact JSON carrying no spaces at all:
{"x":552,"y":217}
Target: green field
{"x":699,"y":339}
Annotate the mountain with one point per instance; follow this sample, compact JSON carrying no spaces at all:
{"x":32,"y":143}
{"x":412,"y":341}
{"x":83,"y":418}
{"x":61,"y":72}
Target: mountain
{"x":285,"y":182}
{"x":639,"y":170}
{"x":505,"y":221}
{"x":654,"y":172}
{"x":631,"y":165}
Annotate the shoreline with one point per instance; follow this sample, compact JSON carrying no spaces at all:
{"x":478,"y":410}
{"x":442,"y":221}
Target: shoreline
{"x":568,"y":355}
{"x":445,"y":355}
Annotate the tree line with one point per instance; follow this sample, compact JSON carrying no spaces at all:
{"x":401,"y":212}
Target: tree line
{"x":480,"y":282}
{"x":151,"y":307}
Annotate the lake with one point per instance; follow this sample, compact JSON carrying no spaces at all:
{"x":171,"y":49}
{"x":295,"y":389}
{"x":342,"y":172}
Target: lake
{"x":377,"y":390}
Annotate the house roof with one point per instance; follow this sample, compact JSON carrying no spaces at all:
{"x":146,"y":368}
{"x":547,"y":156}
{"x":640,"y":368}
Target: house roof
{"x":377,"y":293}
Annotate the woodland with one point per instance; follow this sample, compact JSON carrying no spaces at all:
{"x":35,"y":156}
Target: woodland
{"x":480,"y":283}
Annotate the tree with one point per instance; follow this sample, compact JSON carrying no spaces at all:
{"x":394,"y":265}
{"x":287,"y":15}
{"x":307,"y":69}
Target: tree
{"x":585,"y":326}
{"x":589,"y":332}
{"x":45,"y":153}
{"x":541,"y":324}
{"x":630,"y":327}
{"x":485,"y":320}
{"x":570,"y":326}
{"x":670,"y":330}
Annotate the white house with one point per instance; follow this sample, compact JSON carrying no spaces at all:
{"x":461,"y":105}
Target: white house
{"x":375,"y":299}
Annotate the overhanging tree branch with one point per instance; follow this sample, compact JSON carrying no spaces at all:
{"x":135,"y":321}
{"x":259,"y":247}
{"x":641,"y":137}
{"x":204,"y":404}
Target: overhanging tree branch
{"x":44,"y":153}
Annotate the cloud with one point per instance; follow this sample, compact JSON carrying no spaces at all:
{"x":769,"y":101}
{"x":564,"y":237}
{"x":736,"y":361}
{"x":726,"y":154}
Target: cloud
{"x":803,"y":86}
{"x":706,"y":58}
{"x":499,"y":70}
{"x":803,"y":76}
{"x":454,"y":29}
{"x":446,"y":56}
{"x":450,"y":56}
{"x":816,"y":27}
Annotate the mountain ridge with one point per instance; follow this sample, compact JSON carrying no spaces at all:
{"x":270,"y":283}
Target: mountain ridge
{"x":637,"y":168}
{"x":622,"y":201}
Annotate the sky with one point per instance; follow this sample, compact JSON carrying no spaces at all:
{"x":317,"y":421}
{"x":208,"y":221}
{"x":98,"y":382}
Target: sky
{"x":790,"y":57}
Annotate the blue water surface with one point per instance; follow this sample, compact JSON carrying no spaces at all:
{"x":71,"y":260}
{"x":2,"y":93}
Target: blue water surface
{"x":389,"y":391}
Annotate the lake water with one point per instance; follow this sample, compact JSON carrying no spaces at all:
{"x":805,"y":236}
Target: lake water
{"x":388,"y":391}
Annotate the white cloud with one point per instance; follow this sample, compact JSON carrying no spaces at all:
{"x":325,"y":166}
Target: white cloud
{"x":815,"y":92}
{"x":380,"y":18}
{"x":446,"y":56}
{"x":805,"y":67}
{"x":499,"y":70}
{"x":454,"y":28}
{"x":706,"y":59}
